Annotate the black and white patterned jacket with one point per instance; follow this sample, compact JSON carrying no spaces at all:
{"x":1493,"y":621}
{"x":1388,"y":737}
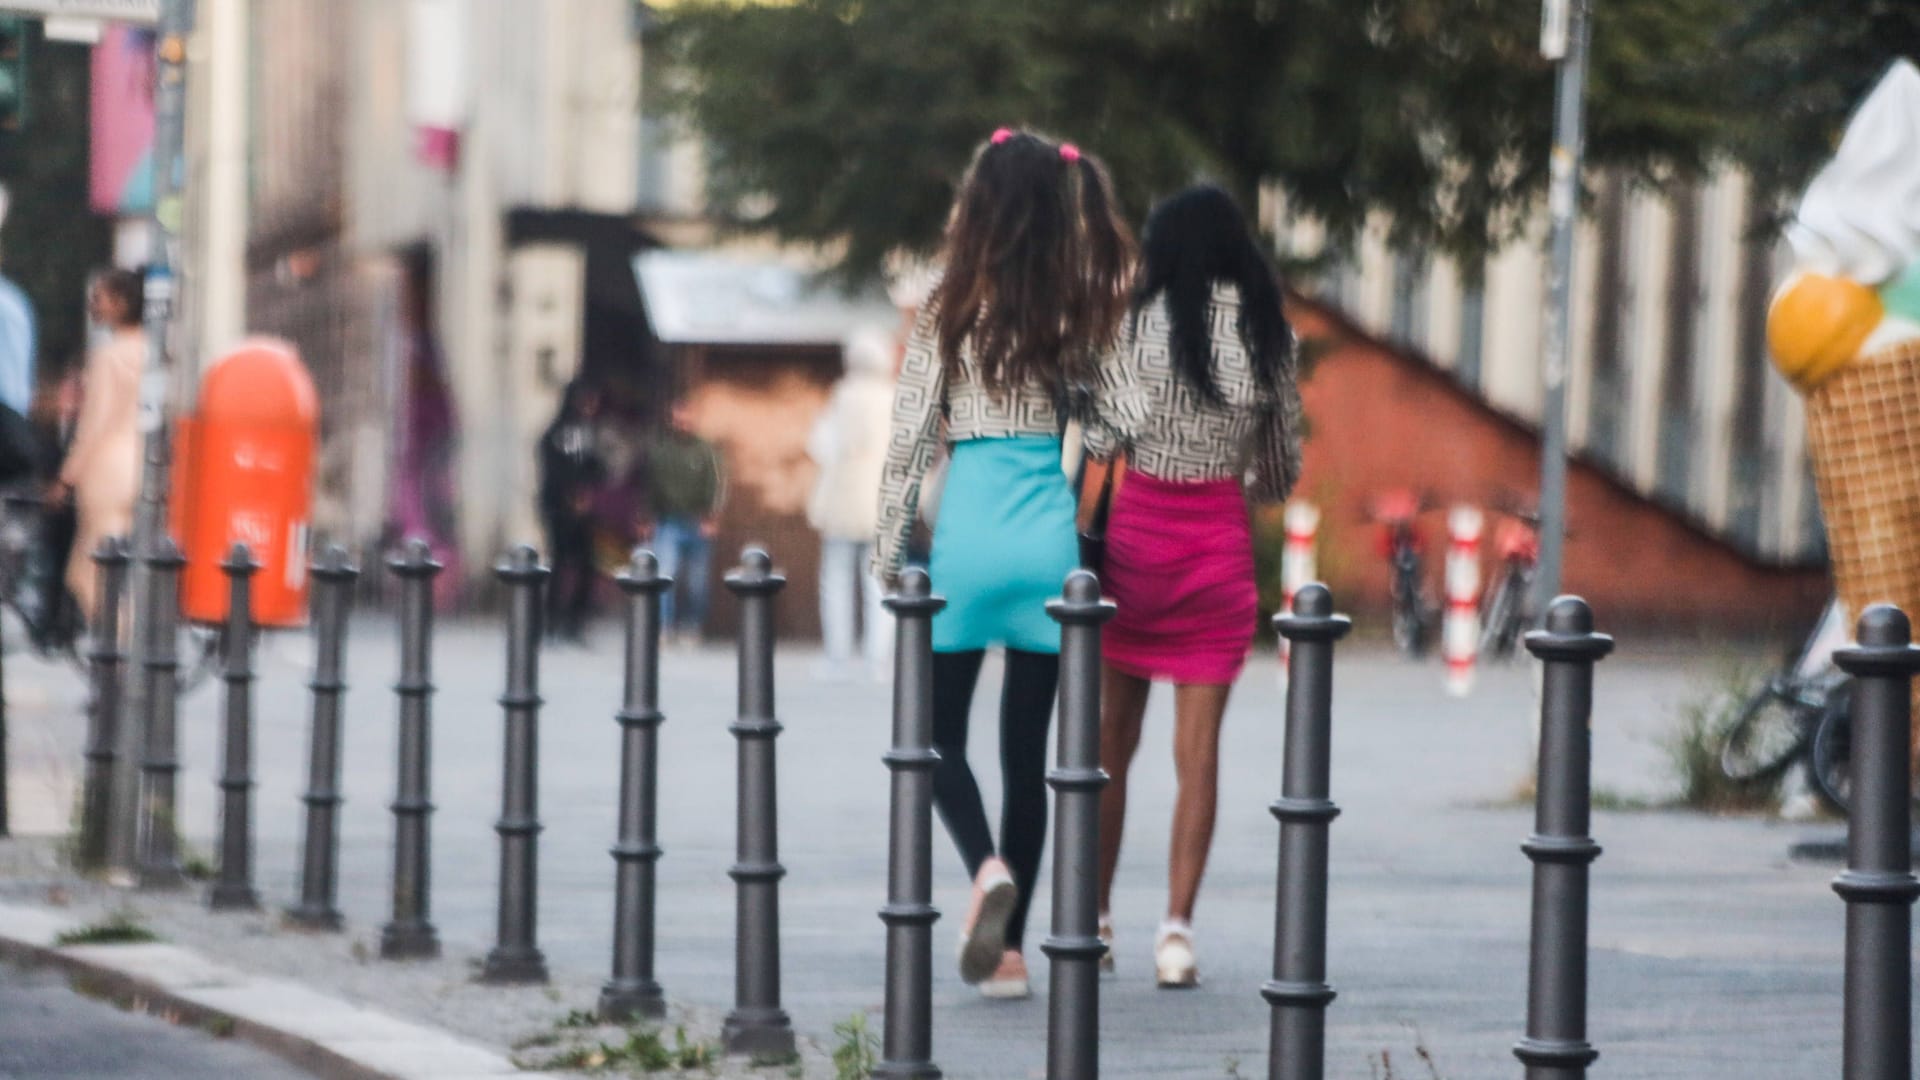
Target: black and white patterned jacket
{"x":925,"y":402}
{"x":1170,"y":432}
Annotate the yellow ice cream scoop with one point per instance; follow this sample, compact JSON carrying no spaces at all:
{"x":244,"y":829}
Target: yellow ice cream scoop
{"x":1817,"y":323}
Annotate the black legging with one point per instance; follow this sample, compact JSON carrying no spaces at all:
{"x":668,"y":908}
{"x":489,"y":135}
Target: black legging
{"x":1026,"y":709}
{"x":570,"y":591}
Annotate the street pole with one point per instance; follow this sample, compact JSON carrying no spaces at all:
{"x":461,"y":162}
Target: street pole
{"x":150,"y":514}
{"x":1563,"y":38}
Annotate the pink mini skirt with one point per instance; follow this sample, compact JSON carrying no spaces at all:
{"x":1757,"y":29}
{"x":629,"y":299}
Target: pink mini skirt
{"x":1179,"y":566}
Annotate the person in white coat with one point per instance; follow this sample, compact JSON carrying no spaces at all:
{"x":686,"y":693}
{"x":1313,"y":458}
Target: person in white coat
{"x":849,"y":444}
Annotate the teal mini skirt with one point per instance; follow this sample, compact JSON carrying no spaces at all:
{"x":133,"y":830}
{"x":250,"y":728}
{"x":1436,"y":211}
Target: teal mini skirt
{"x":1003,"y":545}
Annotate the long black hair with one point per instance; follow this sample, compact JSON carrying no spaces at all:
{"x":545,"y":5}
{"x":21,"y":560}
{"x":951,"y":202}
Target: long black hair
{"x":1193,"y":240}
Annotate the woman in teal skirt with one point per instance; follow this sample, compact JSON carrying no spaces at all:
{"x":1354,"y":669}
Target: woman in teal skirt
{"x":1037,"y":267}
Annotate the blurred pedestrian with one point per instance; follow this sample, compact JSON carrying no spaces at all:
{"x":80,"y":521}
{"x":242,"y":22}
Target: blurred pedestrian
{"x":423,"y":483}
{"x":571,"y":473}
{"x":849,"y":444}
{"x":686,"y":485}
{"x":1033,"y":288}
{"x":101,"y":473}
{"x":1204,"y":407}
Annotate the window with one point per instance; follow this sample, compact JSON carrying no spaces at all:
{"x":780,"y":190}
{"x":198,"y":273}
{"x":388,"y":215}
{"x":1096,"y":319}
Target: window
{"x":1473,"y":327}
{"x":1409,"y":315}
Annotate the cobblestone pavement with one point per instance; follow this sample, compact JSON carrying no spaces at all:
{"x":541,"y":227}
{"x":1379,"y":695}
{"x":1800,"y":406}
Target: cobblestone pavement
{"x":1713,"y":954}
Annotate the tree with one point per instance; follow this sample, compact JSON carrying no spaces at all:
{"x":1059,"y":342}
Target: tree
{"x":1798,"y":70}
{"x":847,"y":121}
{"x":52,"y":238}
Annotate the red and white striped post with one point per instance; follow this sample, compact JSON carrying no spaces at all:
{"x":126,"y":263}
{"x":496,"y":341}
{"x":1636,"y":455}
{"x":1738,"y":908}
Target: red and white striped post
{"x":1460,"y":634}
{"x":1298,"y":566}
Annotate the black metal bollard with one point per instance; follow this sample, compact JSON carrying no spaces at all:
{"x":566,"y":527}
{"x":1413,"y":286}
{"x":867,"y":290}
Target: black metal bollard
{"x":632,"y":991}
{"x":104,"y":661}
{"x":516,"y":959}
{"x":1074,"y":947}
{"x":907,"y":1049}
{"x":1878,"y":883}
{"x":757,"y":1025}
{"x":333,"y":575}
{"x":1298,"y":992}
{"x":410,"y":935}
{"x":1556,"y":1046}
{"x":160,"y":663}
{"x":234,"y":889}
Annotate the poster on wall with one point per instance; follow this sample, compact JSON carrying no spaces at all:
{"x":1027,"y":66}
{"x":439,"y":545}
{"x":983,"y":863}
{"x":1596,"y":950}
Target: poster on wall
{"x":122,"y":121}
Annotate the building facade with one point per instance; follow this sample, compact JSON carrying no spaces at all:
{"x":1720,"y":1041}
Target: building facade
{"x":1670,"y":392}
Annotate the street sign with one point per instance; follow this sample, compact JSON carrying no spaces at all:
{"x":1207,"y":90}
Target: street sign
{"x":140,"y":11}
{"x":1553,"y":30}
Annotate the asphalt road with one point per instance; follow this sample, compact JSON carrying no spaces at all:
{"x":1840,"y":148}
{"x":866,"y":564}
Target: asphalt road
{"x":48,"y":1032}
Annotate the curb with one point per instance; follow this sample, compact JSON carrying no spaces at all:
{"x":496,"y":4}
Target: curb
{"x":340,"y":1040}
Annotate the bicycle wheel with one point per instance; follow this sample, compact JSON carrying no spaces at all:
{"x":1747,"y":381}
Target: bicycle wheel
{"x":202,"y":648}
{"x":1830,"y":758}
{"x":1499,"y":624}
{"x":1771,"y":729}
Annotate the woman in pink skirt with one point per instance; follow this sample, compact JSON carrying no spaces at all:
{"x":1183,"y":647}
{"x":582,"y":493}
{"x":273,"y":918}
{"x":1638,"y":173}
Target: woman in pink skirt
{"x":1203,"y":404}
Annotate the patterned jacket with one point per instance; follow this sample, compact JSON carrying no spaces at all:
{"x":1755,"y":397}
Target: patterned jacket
{"x":1170,"y":432}
{"x":924,"y":400}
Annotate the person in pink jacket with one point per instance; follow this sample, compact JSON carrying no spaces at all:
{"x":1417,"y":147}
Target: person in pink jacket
{"x":102,"y":469}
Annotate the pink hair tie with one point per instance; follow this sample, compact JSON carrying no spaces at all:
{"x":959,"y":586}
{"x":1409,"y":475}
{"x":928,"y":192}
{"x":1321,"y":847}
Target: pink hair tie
{"x":1001,"y":135}
{"x":1069,"y":153}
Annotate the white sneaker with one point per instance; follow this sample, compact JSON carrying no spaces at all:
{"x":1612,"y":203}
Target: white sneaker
{"x":1174,"y":965}
{"x":1009,"y":981}
{"x":983,"y":938}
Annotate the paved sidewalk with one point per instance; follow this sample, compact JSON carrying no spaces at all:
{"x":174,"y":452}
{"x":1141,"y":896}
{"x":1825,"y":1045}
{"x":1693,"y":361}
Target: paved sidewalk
{"x":1712,"y":953}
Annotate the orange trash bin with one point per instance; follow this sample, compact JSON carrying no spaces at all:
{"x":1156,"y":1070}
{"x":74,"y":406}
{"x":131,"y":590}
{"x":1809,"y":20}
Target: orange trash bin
{"x":245,"y":474}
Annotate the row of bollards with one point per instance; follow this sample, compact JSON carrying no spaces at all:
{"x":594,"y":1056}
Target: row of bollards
{"x":1878,"y":885}
{"x":334,"y":575}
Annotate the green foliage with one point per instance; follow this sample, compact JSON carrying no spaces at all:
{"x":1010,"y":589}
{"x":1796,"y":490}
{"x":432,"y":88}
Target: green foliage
{"x":1796,"y":72}
{"x":644,"y":1050}
{"x":858,"y":1050}
{"x":51,"y":237}
{"x":1693,"y":752}
{"x":119,"y":928}
{"x":848,"y":120}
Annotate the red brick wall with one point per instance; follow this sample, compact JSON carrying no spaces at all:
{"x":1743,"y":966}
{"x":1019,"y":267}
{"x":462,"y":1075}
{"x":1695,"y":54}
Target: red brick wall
{"x":1380,"y":420}
{"x":758,"y":407}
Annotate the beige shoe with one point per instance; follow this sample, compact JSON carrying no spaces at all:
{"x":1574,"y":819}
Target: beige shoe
{"x":1174,"y":965}
{"x":983,"y":937}
{"x":1106,"y":938}
{"x":1008,"y":981}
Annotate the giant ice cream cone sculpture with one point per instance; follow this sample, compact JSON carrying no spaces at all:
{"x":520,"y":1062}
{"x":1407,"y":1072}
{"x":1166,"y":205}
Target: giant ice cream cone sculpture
{"x":1845,"y":329}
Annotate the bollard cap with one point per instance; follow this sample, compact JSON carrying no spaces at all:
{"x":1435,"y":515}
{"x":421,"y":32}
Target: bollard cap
{"x":112,"y":549}
{"x":166,"y":554}
{"x":334,"y":564}
{"x":1312,"y":617}
{"x":914,"y":595}
{"x":414,"y":560}
{"x":521,"y":566}
{"x":1883,"y":645}
{"x":1080,"y":603}
{"x":1569,"y":633}
{"x":642,"y":574}
{"x":755,"y":575}
{"x":240,"y":561}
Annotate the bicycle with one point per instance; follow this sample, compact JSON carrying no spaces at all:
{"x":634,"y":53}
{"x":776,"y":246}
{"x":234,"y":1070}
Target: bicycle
{"x":1414,"y":611}
{"x":32,"y":590}
{"x":1504,"y":614}
{"x":1802,"y":715}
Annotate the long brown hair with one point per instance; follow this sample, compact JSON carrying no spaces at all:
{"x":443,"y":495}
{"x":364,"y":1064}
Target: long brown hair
{"x":1037,"y":266}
